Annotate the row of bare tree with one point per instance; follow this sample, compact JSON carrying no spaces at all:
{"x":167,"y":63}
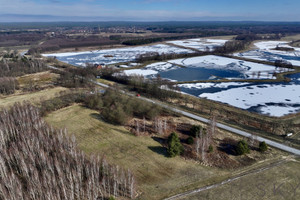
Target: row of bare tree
{"x":8,"y":85}
{"x":20,"y":66}
{"x":39,"y":162}
{"x":204,"y":139}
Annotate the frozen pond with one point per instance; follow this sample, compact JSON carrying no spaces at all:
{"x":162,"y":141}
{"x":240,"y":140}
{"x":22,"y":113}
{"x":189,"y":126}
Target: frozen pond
{"x":112,"y":56}
{"x":266,"y":51}
{"x":201,"y":44}
{"x":275,"y":99}
{"x":208,"y":67}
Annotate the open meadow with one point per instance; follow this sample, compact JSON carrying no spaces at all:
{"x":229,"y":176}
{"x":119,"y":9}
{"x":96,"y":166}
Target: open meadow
{"x":279,"y":182}
{"x":158,"y":176}
{"x":32,"y":97}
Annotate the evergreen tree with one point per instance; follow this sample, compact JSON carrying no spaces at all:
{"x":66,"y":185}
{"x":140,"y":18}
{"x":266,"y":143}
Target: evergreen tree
{"x":242,"y":148}
{"x":195,"y":130}
{"x":174,"y":146}
{"x":263,"y":146}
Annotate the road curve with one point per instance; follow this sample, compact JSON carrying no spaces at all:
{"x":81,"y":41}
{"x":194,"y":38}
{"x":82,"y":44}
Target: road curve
{"x":202,"y":119}
{"x":219,"y":125}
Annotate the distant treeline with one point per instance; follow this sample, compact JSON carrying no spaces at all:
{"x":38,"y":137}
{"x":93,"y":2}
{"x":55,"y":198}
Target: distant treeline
{"x":61,"y":41}
{"x":242,"y":41}
{"x":142,"y":41}
{"x":141,"y":85}
{"x":9,"y":39}
{"x":17,"y":66}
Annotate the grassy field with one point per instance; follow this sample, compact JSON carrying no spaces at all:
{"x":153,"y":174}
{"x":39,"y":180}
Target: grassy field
{"x":41,"y":79}
{"x":104,"y":81}
{"x":280,"y":182}
{"x":158,"y":176}
{"x":33,"y":97}
{"x":291,"y":37}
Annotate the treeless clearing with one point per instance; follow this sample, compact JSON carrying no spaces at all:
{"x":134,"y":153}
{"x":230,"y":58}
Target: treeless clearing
{"x":42,"y":79}
{"x":280,"y":182}
{"x":33,"y":97}
{"x":291,"y":37}
{"x":158,"y":176}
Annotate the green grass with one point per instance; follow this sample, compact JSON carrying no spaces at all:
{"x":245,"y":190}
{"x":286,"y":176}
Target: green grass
{"x":158,"y":176}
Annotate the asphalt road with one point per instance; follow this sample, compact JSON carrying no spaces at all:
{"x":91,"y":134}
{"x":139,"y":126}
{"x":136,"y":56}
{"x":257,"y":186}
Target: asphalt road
{"x":219,"y":125}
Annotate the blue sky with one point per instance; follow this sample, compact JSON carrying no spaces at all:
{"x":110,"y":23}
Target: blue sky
{"x":149,"y":10}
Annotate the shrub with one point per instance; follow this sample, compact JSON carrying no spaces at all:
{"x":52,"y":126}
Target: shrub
{"x":94,"y":101}
{"x":118,"y":108}
{"x":263,"y":146}
{"x":242,"y":148}
{"x":195,"y":130}
{"x":210,"y":149}
{"x":190,"y":140}
{"x":174,"y":146}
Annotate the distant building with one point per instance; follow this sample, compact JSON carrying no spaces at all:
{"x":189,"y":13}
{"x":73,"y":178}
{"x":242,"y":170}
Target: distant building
{"x":98,"y":66}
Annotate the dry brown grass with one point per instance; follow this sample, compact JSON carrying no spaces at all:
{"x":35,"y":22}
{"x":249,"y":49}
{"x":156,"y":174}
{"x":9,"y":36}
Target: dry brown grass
{"x":280,"y":182}
{"x":158,"y":176}
{"x":33,"y":97}
{"x":42,"y":79}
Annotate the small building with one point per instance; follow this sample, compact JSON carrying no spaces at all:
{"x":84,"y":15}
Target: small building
{"x":99,"y":66}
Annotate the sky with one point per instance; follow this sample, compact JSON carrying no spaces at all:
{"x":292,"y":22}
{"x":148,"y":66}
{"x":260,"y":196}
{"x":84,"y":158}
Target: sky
{"x":149,"y":10}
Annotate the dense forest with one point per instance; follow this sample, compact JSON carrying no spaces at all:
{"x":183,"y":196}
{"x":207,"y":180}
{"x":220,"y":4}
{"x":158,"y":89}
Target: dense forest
{"x":12,"y":66}
{"x":39,"y":162}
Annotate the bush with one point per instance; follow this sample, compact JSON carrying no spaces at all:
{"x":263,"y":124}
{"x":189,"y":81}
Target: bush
{"x":195,"y":130}
{"x":242,"y":148}
{"x":115,"y":115}
{"x":94,"y":101}
{"x":210,"y":149}
{"x":190,"y":140}
{"x":174,"y":146}
{"x":118,"y":108}
{"x":263,"y":146}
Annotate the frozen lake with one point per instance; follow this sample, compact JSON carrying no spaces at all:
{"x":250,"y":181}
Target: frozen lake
{"x":201,"y":44}
{"x":208,"y":67}
{"x":273,"y":99}
{"x":112,"y":56}
{"x":266,"y":51}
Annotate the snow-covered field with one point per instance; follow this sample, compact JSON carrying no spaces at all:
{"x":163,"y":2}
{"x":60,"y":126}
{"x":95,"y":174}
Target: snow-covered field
{"x":151,"y":69}
{"x":112,"y":56}
{"x":274,"y":100}
{"x":210,"y":85}
{"x":265,"y":51}
{"x":161,"y":66}
{"x":140,"y":72}
{"x":200,"y":44}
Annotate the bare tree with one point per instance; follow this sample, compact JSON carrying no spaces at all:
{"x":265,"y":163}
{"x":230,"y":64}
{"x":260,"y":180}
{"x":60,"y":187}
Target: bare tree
{"x":40,"y":162}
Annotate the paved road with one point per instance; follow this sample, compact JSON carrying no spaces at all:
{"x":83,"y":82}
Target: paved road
{"x":236,"y":131}
{"x":219,"y":125}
